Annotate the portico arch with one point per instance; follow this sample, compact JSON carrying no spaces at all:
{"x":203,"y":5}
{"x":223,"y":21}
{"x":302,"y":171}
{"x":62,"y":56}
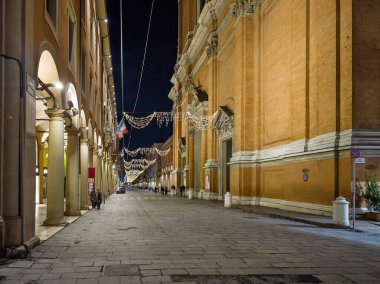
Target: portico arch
{"x":50,"y":121}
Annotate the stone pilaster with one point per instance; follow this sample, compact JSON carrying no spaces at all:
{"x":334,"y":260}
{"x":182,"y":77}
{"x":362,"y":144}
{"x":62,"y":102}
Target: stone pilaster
{"x":72,"y":173}
{"x":191,"y":165}
{"x":55,"y":178}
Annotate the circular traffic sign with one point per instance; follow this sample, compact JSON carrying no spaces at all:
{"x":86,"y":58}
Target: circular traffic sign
{"x":355,"y":153}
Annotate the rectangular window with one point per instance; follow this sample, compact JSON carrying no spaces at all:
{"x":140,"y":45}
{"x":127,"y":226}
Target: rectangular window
{"x":51,"y":9}
{"x":83,"y":72}
{"x":201,"y":5}
{"x":51,"y":15}
{"x":72,"y":38}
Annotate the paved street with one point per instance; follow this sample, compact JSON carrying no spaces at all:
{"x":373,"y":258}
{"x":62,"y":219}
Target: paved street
{"x":142,"y":237}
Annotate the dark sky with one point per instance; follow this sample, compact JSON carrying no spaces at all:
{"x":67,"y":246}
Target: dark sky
{"x":159,"y":62}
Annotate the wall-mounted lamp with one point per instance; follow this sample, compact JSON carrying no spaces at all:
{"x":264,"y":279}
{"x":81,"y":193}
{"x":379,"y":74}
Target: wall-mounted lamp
{"x":45,"y":87}
{"x":37,"y":171}
{"x":45,"y":171}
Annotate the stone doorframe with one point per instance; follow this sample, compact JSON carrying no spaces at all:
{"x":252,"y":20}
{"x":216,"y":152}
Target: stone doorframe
{"x":224,"y":127}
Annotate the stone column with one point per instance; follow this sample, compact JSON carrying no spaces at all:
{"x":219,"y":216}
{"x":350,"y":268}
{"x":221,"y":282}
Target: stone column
{"x":72,"y":173}
{"x":55,"y":178}
{"x":99,"y":170}
{"x":103,"y":177}
{"x":41,"y":172}
{"x":95,"y":164}
{"x":84,"y":153}
{"x":90,"y":155}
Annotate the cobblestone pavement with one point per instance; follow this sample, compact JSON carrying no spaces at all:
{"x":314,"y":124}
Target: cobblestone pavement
{"x":143,"y":237}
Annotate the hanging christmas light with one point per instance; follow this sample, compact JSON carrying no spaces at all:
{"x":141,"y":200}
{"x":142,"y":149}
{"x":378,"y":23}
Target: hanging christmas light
{"x":147,"y":151}
{"x":142,"y":122}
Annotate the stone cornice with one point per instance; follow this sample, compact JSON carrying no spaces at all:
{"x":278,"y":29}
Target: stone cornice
{"x":323,"y":146}
{"x":211,"y":163}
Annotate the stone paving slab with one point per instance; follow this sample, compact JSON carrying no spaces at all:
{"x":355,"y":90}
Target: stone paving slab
{"x":166,"y":240}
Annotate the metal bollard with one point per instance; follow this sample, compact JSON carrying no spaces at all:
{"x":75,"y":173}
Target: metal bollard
{"x":340,"y":211}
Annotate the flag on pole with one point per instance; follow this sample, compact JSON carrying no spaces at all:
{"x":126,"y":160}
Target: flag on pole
{"x":121,"y":129}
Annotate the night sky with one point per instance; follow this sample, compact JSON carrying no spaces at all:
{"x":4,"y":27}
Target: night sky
{"x":159,"y":62}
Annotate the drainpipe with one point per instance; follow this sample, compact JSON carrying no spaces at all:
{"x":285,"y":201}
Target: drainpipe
{"x":21,"y":143}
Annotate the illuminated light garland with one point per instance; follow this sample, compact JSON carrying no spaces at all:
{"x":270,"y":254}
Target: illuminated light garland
{"x":142,"y":122}
{"x":140,"y":161}
{"x":146,"y":151}
{"x":136,"y":167}
{"x":133,"y":174}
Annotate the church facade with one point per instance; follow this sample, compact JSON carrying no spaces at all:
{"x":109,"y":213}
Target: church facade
{"x":270,"y":97}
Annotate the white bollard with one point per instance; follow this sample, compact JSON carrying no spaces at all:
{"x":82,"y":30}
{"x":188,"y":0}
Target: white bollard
{"x":190,"y":192}
{"x":227,"y":199}
{"x":340,"y":211}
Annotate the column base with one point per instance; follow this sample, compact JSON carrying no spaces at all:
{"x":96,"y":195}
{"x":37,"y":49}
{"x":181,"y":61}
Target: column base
{"x":213,"y":196}
{"x":31,"y":243}
{"x":85,"y":207}
{"x":55,"y":222}
{"x":236,"y":200}
{"x":73,"y":213}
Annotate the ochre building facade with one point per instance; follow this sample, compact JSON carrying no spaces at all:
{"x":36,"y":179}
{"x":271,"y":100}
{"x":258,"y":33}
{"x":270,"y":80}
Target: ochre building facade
{"x":270,"y":97}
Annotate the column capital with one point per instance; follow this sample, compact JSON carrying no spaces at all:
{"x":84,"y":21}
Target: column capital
{"x":55,"y":113}
{"x":84,"y":141}
{"x":90,"y":145}
{"x":72,"y":131}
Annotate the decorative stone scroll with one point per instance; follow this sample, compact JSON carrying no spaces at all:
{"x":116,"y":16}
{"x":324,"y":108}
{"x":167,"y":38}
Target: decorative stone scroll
{"x":224,"y":122}
{"x":107,"y":135}
{"x":241,"y":7}
{"x":189,"y":84}
{"x":212,"y":48}
{"x":191,"y":132}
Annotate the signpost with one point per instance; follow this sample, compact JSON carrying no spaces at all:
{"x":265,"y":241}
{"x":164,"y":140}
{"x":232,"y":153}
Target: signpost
{"x":355,"y":154}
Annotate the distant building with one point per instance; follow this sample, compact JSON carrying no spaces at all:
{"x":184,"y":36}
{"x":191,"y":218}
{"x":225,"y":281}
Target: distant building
{"x":166,"y":164}
{"x":159,"y":173}
{"x":270,"y":97}
{"x":58,"y":117}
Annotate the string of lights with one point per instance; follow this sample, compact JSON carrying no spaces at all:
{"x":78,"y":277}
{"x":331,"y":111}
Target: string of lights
{"x":163,"y":118}
{"x":146,"y":151}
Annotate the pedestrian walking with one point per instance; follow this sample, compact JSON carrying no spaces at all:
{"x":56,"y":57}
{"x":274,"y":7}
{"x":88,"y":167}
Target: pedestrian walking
{"x":166,"y":191}
{"x":182,"y":190}
{"x":93,"y":198}
{"x":98,"y":198}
